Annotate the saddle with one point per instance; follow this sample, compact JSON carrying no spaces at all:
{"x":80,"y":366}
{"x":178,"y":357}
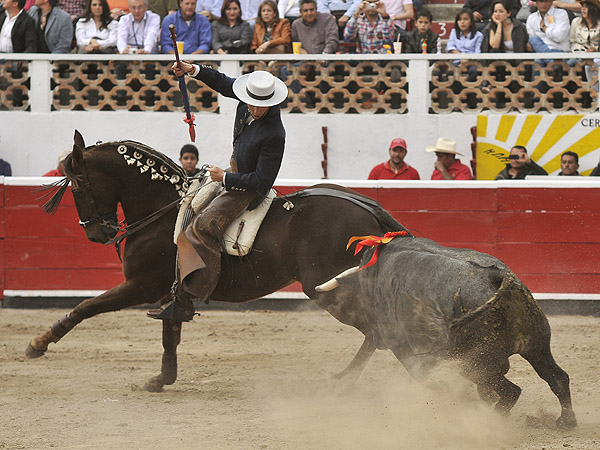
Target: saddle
{"x":239,"y":236}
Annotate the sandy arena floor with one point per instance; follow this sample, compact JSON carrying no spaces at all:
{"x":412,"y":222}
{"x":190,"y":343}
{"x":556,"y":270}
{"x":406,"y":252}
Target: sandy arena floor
{"x":261,"y":380}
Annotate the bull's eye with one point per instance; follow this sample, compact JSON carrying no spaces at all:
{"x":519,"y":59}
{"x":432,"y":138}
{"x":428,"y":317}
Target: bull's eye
{"x":164,"y":169}
{"x":122,"y":149}
{"x":137,"y":155}
{"x":150,"y":162}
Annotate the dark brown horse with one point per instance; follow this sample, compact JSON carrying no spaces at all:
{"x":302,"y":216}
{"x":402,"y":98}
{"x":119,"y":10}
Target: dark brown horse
{"x":305,"y":243}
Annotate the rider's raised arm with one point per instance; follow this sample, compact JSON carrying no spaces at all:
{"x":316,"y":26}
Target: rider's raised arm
{"x":215,"y":80}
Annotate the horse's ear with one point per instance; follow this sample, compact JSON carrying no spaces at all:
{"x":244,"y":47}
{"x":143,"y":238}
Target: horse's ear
{"x":78,"y":146}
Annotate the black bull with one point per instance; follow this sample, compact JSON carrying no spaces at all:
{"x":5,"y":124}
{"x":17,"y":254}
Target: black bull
{"x":427,"y":303}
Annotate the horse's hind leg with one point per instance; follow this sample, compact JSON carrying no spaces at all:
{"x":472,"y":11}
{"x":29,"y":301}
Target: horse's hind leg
{"x":558,"y":380}
{"x":358,"y":363}
{"x":168,"y":372}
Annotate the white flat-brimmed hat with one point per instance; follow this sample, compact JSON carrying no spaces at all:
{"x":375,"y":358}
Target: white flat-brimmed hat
{"x":260,"y":88}
{"x":444,"y":145}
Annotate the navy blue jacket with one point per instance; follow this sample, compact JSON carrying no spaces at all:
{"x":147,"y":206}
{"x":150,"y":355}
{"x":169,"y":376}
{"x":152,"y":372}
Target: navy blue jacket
{"x":258,"y":147}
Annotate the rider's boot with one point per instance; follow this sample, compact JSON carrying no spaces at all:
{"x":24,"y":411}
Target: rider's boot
{"x":180,"y":309}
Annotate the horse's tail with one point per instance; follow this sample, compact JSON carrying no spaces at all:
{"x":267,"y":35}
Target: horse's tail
{"x":387,"y":222}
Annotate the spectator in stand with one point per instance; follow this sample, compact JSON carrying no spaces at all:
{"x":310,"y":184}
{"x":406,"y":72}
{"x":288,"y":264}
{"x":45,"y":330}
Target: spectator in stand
{"x":138,"y":31}
{"x":519,"y":165}
{"x":395,"y":168}
{"x":585,"y":35}
{"x":211,"y":9}
{"x":60,"y":168}
{"x":504,"y":34}
{"x":250,"y":9}
{"x":29,"y":4}
{"x":399,"y":11}
{"x":596,"y":171}
{"x":464,"y":37}
{"x":75,"y":8}
{"x":230,"y":34}
{"x":569,"y":164}
{"x":482,"y":10}
{"x":53,"y":27}
{"x":422,"y":39}
{"x":96,"y":32}
{"x":317,"y":31}
{"x":118,"y":8}
{"x":188,"y":158}
{"x":371,"y":26}
{"x":342,"y":10}
{"x":525,"y":10}
{"x":288,"y":9}
{"x":191,"y":28}
{"x":5,"y":169}
{"x":163,"y":7}
{"x":447,"y":166}
{"x":573,"y":7}
{"x":548,"y":28}
{"x":17,"y":29}
{"x":271,"y":34}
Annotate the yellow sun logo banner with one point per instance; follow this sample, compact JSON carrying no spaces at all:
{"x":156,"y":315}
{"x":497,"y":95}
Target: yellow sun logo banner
{"x":546,"y":137}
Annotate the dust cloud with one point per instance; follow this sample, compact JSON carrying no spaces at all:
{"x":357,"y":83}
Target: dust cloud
{"x":385,"y":412}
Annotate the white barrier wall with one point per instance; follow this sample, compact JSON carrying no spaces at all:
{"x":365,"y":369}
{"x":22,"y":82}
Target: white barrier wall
{"x":31,"y":142}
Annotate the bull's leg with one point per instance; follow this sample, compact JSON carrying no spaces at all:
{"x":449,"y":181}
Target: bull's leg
{"x":558,"y":380}
{"x":487,"y":372}
{"x":168,"y":372}
{"x":358,"y":363}
{"x":122,"y":296}
{"x":487,"y":394}
{"x":509,"y":393}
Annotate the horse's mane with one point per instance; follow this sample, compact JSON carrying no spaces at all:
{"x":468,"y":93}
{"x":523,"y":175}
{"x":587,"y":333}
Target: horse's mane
{"x":159,"y":166}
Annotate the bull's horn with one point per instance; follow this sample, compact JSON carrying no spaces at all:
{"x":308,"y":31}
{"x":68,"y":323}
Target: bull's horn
{"x":333,"y":283}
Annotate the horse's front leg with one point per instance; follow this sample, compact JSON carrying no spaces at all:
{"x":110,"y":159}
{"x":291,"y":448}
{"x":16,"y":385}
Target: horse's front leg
{"x":122,"y":296}
{"x":168,"y":372}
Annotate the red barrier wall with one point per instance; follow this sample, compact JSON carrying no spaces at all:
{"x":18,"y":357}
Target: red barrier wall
{"x":547,"y":235}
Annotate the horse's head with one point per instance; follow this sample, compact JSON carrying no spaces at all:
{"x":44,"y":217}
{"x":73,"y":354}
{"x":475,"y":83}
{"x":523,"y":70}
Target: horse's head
{"x":94,"y":193}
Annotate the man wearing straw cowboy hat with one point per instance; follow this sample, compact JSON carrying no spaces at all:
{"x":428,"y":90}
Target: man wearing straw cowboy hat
{"x":258,"y":143}
{"x":447,"y":166}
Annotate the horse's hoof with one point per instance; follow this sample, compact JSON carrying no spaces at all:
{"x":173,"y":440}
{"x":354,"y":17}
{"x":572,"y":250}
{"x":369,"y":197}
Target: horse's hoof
{"x":153,"y":385}
{"x":566,"y":421}
{"x":33,"y":353}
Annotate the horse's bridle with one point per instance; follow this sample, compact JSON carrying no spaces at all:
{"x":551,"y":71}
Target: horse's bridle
{"x":109,"y":220}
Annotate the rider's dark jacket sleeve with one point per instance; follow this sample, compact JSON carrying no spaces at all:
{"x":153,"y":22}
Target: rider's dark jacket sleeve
{"x":257,"y":147}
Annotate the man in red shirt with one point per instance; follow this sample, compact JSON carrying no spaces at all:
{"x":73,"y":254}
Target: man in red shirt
{"x":395,"y":168}
{"x":447,"y":166}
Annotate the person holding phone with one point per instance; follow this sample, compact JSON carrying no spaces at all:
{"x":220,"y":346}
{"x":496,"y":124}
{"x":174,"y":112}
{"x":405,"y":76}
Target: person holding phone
{"x":519,"y":165}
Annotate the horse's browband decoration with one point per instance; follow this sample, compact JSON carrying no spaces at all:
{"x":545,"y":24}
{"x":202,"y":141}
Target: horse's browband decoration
{"x":145,"y":163}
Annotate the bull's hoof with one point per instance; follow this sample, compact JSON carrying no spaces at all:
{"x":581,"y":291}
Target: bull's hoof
{"x":566,"y":421}
{"x":154,"y":385}
{"x":33,"y":353}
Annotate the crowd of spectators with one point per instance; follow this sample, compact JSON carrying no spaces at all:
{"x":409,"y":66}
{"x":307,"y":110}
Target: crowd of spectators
{"x":448,"y":167}
{"x":255,"y":26}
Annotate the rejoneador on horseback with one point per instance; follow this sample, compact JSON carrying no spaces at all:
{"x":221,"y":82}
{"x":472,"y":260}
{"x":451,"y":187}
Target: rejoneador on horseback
{"x":258,"y":145}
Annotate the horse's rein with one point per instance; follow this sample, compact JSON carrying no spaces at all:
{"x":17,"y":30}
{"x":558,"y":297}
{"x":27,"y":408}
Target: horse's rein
{"x":136,"y":226}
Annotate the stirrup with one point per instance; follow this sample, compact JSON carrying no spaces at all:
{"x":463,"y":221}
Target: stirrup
{"x":172,"y":311}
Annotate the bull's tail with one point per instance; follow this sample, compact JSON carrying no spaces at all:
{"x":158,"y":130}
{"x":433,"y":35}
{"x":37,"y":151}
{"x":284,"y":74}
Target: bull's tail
{"x":509,"y":318}
{"x":476,"y":314}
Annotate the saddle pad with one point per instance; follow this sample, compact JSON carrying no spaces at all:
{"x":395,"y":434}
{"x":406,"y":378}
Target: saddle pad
{"x":252,"y":220}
